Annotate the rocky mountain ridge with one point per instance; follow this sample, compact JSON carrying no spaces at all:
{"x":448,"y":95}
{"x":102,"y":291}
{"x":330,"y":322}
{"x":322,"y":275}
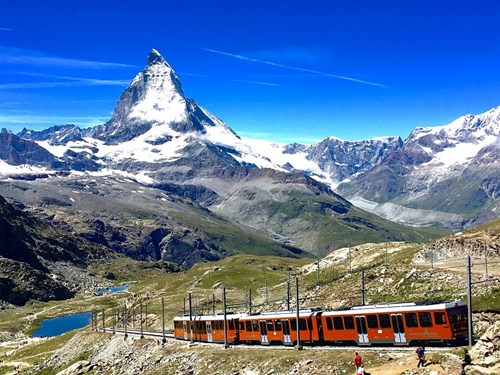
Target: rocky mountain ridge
{"x":448,"y":174}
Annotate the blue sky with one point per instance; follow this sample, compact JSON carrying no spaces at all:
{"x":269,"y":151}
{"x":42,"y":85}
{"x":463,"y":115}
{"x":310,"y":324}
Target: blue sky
{"x":294,"y":71}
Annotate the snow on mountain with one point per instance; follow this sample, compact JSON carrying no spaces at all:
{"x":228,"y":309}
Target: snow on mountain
{"x":7,"y":170}
{"x":55,"y":135}
{"x":451,"y":148}
{"x":468,"y":127}
{"x":161,"y":99}
{"x":451,"y":169}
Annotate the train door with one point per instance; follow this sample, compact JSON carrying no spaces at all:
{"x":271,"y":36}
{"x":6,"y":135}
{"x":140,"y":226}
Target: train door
{"x":209,"y":331}
{"x":287,"y":340}
{"x":263,"y":332}
{"x":362,"y":331}
{"x":399,"y":329}
{"x":184,"y":327}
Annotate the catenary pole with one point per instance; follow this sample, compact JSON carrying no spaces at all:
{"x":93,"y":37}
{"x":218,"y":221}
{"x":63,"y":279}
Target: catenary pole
{"x":190,"y":301}
{"x":288,"y":295}
{"x":469,"y":300}
{"x":225,"y":315}
{"x":142,"y":329}
{"x":249,"y":301}
{"x":298,"y":312}
{"x":317,"y":275}
{"x":125,"y":320}
{"x":486,"y":260}
{"x":163,"y":320}
{"x":362,"y":287}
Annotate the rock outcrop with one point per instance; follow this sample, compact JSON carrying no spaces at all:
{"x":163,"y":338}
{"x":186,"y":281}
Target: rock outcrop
{"x":486,"y":353}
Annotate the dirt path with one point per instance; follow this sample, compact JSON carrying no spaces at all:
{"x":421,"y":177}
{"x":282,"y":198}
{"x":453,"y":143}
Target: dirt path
{"x":405,"y":364}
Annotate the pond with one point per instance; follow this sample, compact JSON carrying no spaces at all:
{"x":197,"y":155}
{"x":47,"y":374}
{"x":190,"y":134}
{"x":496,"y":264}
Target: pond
{"x":62,"y":324}
{"x":114,"y":289}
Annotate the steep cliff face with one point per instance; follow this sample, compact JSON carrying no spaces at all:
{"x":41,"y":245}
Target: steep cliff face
{"x":15,"y":150}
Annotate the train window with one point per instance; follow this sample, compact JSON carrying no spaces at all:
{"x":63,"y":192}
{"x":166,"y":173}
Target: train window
{"x":439,"y":318}
{"x":372,"y":321}
{"x":338,"y":323}
{"x":277,"y":325}
{"x":384,"y":320}
{"x":293,"y":324}
{"x":270,"y":325}
{"x":249,"y":326}
{"x":329,"y":324}
{"x":302,"y":324}
{"x":411,"y":320}
{"x":255,"y":325}
{"x":457,"y":315}
{"x":348,"y":322}
{"x":231,"y":324}
{"x":242,"y":326}
{"x":424,"y":318}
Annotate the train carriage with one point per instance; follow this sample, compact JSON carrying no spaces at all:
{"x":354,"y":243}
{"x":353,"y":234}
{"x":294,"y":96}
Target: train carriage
{"x":207,"y":328}
{"x":280,"y":328}
{"x":398,"y":324}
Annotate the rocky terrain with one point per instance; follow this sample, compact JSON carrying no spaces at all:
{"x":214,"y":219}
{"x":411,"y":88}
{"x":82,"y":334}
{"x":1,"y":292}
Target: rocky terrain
{"x":41,"y":262}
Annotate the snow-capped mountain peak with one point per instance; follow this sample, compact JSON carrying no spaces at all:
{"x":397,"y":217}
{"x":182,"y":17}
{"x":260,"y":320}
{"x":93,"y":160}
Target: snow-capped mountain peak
{"x":155,"y":57}
{"x":153,"y":98}
{"x":468,"y":128}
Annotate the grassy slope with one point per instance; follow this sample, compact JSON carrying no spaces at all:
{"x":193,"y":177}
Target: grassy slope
{"x":321,"y":222}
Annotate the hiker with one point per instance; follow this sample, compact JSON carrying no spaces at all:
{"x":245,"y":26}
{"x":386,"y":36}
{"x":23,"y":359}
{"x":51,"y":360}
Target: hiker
{"x":466,"y":362}
{"x":360,"y":371}
{"x":421,"y":356}
{"x":358,"y":361}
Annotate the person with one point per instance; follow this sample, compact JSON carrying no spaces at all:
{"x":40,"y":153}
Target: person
{"x":358,"y":361}
{"x":360,"y":371}
{"x":466,"y":362}
{"x":421,"y":356}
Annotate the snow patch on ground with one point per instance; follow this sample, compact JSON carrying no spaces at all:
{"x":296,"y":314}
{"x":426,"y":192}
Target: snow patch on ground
{"x":407,"y":216}
{"x":7,"y":169}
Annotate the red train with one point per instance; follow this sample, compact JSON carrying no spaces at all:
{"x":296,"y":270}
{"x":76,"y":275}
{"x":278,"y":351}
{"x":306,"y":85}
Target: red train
{"x":388,"y":324}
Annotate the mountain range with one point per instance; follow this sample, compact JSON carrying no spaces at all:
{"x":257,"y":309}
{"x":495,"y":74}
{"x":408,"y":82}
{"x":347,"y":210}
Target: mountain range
{"x":166,"y":179}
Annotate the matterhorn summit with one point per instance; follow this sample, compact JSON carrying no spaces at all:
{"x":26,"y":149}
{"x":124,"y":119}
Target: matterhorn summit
{"x":154,"y":99}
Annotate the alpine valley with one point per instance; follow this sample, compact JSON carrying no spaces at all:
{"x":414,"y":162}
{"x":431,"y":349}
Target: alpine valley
{"x":164,"y":179}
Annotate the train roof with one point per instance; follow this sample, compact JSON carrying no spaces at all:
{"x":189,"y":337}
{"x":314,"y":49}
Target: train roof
{"x":210,"y":317}
{"x":396,"y":307}
{"x":367,"y":309}
{"x":282,"y":314}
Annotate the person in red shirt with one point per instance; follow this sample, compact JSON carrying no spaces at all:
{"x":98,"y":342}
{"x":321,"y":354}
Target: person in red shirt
{"x":358,"y":361}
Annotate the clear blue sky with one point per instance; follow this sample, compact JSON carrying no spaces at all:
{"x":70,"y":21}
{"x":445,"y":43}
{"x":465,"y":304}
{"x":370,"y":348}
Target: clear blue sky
{"x":278,"y":70}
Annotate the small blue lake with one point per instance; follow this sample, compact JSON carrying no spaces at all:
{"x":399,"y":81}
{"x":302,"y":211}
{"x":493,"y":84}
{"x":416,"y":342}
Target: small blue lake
{"x":63,"y":324}
{"x":114,"y":289}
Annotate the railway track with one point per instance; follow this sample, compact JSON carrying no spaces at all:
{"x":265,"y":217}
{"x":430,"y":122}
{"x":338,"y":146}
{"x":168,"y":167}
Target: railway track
{"x":170,"y":337}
